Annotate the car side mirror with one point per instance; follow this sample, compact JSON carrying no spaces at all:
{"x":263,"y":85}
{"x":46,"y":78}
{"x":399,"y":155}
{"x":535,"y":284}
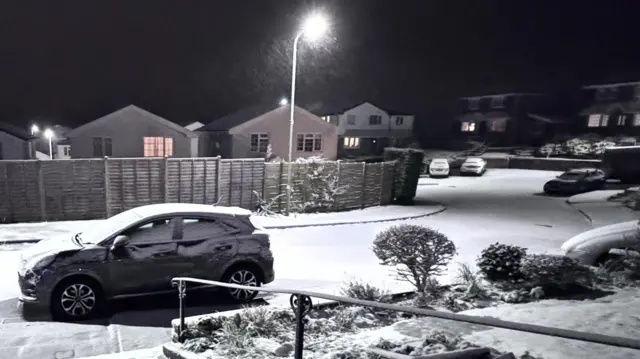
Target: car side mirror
{"x":119,"y":242}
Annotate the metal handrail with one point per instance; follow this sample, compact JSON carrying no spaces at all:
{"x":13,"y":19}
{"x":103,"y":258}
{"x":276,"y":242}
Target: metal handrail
{"x":302,"y":296}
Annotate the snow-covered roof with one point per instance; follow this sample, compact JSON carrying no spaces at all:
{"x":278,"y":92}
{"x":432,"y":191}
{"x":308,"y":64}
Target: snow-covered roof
{"x":612,"y":85}
{"x":168,"y":208}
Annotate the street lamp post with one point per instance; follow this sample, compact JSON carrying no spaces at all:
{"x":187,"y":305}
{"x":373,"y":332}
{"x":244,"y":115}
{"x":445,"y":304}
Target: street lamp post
{"x":48,"y":134}
{"x":314,"y":27}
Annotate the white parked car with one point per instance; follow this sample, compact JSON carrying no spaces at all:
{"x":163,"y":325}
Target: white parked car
{"x":473,"y":166}
{"x":596,"y":246}
{"x":439,"y":167}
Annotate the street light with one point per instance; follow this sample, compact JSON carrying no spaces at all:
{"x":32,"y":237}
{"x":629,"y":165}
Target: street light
{"x":34,"y":130}
{"x":283,"y":102}
{"x":313,"y":28}
{"x":48,"y":134}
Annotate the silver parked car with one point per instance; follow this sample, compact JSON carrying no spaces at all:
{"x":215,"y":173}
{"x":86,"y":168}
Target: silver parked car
{"x":138,"y":251}
{"x":473,"y":166}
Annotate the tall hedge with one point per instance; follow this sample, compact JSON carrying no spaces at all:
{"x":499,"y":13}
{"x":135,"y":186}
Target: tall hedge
{"x":407,"y":174}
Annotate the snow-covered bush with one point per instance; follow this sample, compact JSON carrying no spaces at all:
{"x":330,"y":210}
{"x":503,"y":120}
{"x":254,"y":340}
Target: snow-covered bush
{"x":501,"y":262}
{"x":364,"y":291}
{"x":316,"y":185}
{"x":417,"y":253}
{"x":265,"y":207}
{"x":466,"y":275}
{"x":555,"y":270}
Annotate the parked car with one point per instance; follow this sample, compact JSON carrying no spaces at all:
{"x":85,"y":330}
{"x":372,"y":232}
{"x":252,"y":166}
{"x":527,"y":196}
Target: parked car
{"x":576,"y":181}
{"x":473,"y":166}
{"x":597,"y":246}
{"x":439,"y":167}
{"x":139,"y":251}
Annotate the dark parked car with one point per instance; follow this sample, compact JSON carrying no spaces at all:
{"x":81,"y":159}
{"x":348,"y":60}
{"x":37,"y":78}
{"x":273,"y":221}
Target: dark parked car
{"x":576,"y":181}
{"x":138,"y":251}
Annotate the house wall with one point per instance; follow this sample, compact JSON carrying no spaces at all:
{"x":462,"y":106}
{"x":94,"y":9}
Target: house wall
{"x":215,"y":143}
{"x":127,"y":130}
{"x":362,"y":114}
{"x":276,"y":124}
{"x":626,"y":94}
{"x":59,"y":152}
{"x":14,"y":148}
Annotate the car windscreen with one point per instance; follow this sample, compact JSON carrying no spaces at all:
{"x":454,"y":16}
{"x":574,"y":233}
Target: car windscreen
{"x":440,"y":162}
{"x":474,"y":161}
{"x":572,"y":175}
{"x":99,"y":231}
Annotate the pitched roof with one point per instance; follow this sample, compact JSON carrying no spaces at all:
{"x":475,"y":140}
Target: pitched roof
{"x":333,"y":109}
{"x":146,"y":113}
{"x":238,"y":118}
{"x":15,"y":131}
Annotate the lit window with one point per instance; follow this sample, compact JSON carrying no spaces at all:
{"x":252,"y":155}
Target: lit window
{"x":497,"y":102}
{"x":309,"y":142}
{"x":622,"y":120}
{"x":474,"y":103}
{"x":375,"y":120}
{"x":259,"y":142}
{"x":351,"y":142}
{"x":597,"y":120}
{"x":399,"y":120}
{"x":158,"y":146}
{"x":468,"y":127}
{"x":605,"y":121}
{"x":636,"y":119}
{"x":351,"y":119}
{"x":499,"y":125}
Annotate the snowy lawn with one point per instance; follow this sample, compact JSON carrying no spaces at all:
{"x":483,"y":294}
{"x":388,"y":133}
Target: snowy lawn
{"x":593,"y":196}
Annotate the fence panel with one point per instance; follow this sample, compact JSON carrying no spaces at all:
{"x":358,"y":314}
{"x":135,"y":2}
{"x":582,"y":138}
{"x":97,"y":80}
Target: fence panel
{"x":20,"y":191}
{"x":73,"y":189}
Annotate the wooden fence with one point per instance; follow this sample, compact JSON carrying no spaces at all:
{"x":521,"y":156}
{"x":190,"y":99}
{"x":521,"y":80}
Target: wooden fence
{"x":97,"y":188}
{"x":352,"y":185}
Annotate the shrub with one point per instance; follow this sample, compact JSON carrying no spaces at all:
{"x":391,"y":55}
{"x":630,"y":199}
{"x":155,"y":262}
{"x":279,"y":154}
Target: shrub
{"x":417,"y":252}
{"x":316,"y":185}
{"x":501,"y":262}
{"x":546,"y":269}
{"x":409,"y":163}
{"x":364,"y":291}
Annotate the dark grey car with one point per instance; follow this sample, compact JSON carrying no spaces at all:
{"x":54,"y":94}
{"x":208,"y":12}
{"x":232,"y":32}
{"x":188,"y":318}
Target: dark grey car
{"x":138,"y":251}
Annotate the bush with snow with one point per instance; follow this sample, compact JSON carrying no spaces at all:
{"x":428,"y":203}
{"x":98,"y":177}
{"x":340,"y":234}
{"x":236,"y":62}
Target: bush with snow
{"x":315,"y":185}
{"x":555,"y":270}
{"x":418,"y":253}
{"x":501,"y":262}
{"x":364,"y":291}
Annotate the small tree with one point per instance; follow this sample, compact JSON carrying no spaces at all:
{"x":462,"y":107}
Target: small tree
{"x":417,"y":252}
{"x":268,"y":156}
{"x":316,"y":184}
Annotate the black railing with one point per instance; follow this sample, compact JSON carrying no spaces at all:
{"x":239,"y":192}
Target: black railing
{"x":300,"y":302}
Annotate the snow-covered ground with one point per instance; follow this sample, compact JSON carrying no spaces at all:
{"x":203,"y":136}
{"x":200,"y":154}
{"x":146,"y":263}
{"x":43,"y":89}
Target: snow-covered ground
{"x":501,"y":206}
{"x":615,"y":315}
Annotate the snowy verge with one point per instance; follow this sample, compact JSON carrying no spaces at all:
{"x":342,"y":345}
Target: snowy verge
{"x":150,"y":353}
{"x":605,"y":213}
{"x":35,"y":232}
{"x":593,"y":196}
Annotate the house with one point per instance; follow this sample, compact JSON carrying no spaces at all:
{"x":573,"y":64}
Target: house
{"x":365,"y":129}
{"x":15,"y":143}
{"x":508,"y":119}
{"x":132,"y":132}
{"x":610,"y":109}
{"x":63,"y":149}
{"x":250,"y":132}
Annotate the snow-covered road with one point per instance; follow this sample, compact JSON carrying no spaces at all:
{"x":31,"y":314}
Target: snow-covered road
{"x":502,"y":206}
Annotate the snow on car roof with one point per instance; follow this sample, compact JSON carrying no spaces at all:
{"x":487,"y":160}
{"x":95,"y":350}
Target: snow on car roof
{"x":584,"y":169}
{"x":168,"y":208}
{"x":474,"y":159}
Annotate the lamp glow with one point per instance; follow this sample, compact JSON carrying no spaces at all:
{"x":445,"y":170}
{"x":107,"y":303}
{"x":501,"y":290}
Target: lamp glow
{"x":315,"y":26}
{"x":48,"y":133}
{"x":284,"y":102}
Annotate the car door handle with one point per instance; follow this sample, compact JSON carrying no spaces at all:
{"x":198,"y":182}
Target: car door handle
{"x":223,"y":248}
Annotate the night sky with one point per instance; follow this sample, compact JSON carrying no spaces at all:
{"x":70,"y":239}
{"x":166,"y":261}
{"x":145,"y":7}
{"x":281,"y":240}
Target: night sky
{"x":68,"y":62}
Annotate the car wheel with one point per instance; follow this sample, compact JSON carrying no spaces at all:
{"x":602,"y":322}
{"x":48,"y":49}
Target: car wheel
{"x":241,"y":276}
{"x":77,"y":299}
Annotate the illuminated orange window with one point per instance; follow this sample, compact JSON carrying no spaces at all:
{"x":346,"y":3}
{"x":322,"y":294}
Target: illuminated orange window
{"x":158,"y":147}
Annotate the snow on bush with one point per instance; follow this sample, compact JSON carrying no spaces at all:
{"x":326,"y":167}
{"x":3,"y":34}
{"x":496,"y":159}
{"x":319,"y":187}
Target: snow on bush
{"x":501,"y":262}
{"x":555,"y":270}
{"x":418,"y":253}
{"x":435,"y":343}
{"x":316,"y":185}
{"x":588,"y":146}
{"x":364,"y":291}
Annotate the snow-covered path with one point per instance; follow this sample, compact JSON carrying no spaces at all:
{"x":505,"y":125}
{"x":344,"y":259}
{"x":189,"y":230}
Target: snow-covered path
{"x":501,"y":206}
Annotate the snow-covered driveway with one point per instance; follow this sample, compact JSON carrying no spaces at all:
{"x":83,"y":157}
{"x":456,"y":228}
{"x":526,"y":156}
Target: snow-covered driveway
{"x":502,"y":206}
